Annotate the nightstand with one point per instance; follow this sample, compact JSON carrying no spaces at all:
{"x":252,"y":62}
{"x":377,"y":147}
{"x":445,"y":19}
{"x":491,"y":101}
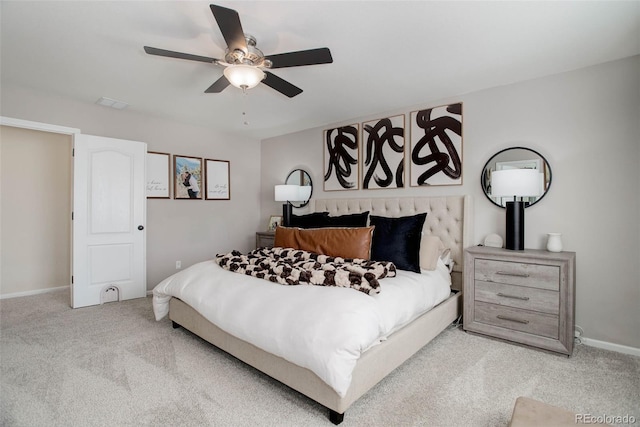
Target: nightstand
{"x":525,"y":296}
{"x":265,"y":238}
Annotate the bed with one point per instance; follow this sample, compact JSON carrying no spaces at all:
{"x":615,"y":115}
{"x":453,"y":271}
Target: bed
{"x":447,"y":217}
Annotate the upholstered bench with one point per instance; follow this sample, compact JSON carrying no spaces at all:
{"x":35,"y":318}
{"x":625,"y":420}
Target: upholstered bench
{"x":532,"y":413}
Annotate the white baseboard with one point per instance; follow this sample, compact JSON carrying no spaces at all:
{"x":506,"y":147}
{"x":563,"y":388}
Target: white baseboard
{"x":35,"y":292}
{"x":611,"y":346}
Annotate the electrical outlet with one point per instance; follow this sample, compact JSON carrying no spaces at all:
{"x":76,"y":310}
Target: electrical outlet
{"x":178,"y":265}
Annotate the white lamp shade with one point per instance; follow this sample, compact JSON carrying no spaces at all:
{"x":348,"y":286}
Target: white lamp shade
{"x":243,"y":76}
{"x":515,"y":182}
{"x":287,"y":193}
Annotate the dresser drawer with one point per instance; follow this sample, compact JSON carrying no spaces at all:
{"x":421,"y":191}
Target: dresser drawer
{"x":524,"y":297}
{"x":541,"y":324}
{"x":517,"y":273}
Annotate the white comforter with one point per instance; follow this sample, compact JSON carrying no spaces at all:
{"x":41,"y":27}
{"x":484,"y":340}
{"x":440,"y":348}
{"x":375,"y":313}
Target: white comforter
{"x":319,"y":328}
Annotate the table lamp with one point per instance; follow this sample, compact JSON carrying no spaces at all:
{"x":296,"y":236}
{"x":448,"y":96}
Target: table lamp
{"x":516,"y":183}
{"x":287,"y":193}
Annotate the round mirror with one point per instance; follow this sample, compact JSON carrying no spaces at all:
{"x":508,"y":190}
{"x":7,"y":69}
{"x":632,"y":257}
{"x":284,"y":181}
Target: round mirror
{"x":302,"y":178}
{"x":516,"y":158}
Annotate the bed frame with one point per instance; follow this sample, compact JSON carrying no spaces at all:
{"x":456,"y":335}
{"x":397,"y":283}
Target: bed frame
{"x":448,"y":217}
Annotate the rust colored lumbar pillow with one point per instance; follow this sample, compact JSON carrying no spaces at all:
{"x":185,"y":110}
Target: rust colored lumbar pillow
{"x":337,"y":242}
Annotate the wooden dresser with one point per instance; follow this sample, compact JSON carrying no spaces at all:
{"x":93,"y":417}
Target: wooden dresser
{"x":526,"y":296}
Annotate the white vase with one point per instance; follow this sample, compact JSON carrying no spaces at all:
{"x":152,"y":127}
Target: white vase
{"x":554,"y":242}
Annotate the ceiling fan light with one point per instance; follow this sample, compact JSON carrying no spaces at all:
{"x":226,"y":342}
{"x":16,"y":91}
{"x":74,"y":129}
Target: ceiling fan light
{"x":243,"y":76}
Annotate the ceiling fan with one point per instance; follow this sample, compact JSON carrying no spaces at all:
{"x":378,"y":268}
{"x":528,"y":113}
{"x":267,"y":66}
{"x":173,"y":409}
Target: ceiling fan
{"x":245,"y":65}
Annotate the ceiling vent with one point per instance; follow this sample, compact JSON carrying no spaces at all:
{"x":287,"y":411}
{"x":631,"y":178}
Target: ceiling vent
{"x":108,"y":102}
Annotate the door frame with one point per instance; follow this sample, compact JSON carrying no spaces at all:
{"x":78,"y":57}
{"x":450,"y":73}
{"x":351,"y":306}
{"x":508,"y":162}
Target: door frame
{"x":46,"y":127}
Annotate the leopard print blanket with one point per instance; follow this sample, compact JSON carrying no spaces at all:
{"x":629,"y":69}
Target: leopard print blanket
{"x":295,"y":267}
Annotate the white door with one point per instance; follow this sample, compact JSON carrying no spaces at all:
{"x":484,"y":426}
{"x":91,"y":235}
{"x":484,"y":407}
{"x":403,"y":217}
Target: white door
{"x":109,"y":215}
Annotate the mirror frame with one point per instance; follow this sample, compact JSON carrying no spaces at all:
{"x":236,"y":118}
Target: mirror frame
{"x":492,"y":159}
{"x":307,"y":175}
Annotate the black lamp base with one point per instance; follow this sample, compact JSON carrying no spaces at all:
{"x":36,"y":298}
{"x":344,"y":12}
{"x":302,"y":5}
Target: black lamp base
{"x":287,"y":211}
{"x":515,"y":226}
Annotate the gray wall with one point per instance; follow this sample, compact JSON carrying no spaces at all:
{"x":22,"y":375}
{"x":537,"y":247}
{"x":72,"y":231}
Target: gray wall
{"x":185,"y":230}
{"x":586,"y":123}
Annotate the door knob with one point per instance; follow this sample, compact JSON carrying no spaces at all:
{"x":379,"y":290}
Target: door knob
{"x":141,"y":227}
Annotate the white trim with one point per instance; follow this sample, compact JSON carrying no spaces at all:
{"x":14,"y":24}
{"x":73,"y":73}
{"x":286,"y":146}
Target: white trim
{"x":35,"y":292}
{"x":27,"y":124}
{"x":611,"y":346}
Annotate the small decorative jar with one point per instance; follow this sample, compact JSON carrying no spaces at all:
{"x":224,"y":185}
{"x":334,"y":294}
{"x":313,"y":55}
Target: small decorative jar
{"x":554,"y":242}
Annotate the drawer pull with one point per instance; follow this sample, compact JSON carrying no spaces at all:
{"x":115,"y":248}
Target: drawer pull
{"x":500,"y":294}
{"x":511,"y":319}
{"x":507,"y":273}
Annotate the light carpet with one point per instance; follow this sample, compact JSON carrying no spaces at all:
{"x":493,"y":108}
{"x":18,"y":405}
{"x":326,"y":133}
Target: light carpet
{"x":114,"y":365}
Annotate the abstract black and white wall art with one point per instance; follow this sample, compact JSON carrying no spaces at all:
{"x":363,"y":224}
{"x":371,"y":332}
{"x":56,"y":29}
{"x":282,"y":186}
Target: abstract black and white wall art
{"x":341,"y":147}
{"x":436,"y":146}
{"x":383,"y":152}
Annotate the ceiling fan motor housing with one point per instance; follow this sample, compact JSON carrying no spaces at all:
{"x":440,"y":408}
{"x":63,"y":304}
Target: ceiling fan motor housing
{"x":253,"y":56}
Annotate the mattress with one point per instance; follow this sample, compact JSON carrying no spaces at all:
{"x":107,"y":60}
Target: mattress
{"x":323,"y":329}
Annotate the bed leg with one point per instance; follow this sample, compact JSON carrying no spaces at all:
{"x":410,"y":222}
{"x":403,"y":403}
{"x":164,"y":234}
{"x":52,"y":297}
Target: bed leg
{"x":175,"y":325}
{"x":335,"y":417}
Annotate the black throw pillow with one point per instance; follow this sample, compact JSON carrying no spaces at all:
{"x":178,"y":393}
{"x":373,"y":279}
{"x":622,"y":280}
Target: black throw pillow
{"x":398,"y":240}
{"x":312,"y":220}
{"x":350,"y":220}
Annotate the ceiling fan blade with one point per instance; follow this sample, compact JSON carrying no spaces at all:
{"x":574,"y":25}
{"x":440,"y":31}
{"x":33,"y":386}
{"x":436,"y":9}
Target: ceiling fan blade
{"x":302,"y":57}
{"x":179,"y":55}
{"x":230,"y":26}
{"x":218,"y":86}
{"x":282,"y":86}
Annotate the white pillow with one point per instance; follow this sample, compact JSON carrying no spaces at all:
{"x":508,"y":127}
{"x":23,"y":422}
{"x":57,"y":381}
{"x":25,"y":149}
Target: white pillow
{"x":431,"y":248}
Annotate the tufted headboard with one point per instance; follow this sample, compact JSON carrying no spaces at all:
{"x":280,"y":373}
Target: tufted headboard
{"x":448,"y":217}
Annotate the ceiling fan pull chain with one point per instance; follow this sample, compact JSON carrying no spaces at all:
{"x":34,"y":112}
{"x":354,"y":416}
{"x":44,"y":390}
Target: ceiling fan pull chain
{"x":245,"y":108}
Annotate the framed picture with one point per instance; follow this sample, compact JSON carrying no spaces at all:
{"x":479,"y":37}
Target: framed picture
{"x":158,"y":175}
{"x":217,"y":185}
{"x":383,"y":153}
{"x":274,"y":221}
{"x":436,"y":146}
{"x":187,"y":177}
{"x":340,"y":150}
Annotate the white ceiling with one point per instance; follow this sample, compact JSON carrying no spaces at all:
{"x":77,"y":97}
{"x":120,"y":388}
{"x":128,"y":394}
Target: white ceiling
{"x":387,"y":54}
